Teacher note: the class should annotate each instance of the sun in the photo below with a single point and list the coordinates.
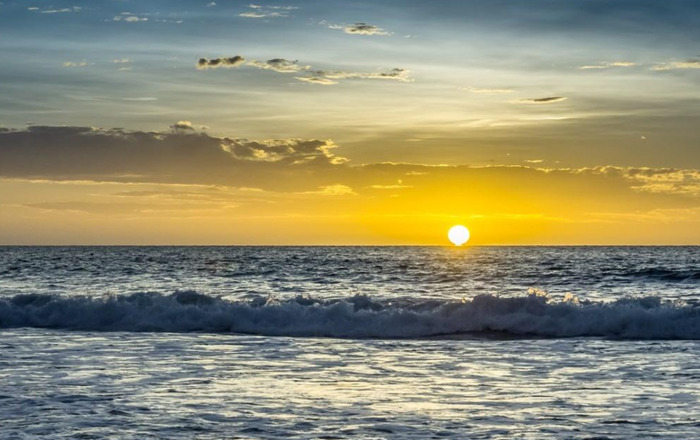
(458, 235)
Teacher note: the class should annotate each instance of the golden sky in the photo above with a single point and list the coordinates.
(383, 122)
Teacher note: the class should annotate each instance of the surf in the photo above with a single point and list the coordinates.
(535, 314)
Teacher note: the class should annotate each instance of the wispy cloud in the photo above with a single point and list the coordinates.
(260, 11)
(51, 10)
(125, 64)
(329, 77)
(488, 91)
(547, 100)
(128, 17)
(675, 65)
(662, 180)
(319, 76)
(316, 80)
(332, 190)
(360, 29)
(215, 63)
(82, 63)
(608, 65)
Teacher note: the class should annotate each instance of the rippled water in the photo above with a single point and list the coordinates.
(214, 343)
(382, 272)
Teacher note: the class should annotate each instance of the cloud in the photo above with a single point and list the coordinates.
(328, 77)
(279, 65)
(52, 10)
(165, 20)
(488, 91)
(75, 63)
(122, 61)
(333, 190)
(215, 63)
(608, 65)
(305, 182)
(317, 80)
(186, 156)
(141, 98)
(533, 161)
(662, 180)
(361, 29)
(685, 182)
(182, 126)
(128, 17)
(320, 77)
(547, 100)
(677, 65)
(260, 11)
(389, 187)
(182, 155)
(211, 4)
(293, 151)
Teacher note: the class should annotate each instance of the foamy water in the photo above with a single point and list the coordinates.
(302, 343)
(358, 317)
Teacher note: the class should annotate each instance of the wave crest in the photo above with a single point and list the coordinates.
(359, 316)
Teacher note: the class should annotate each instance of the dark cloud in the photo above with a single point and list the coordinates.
(547, 100)
(309, 166)
(361, 29)
(215, 63)
(279, 65)
(182, 155)
(322, 77)
(329, 77)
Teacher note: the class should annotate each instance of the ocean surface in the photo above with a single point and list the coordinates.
(349, 342)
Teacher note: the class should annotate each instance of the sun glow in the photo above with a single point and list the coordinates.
(458, 235)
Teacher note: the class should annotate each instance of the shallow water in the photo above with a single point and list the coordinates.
(78, 364)
(145, 385)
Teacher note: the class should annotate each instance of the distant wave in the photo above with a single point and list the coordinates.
(532, 315)
(664, 274)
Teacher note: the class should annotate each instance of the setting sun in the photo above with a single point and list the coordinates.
(458, 235)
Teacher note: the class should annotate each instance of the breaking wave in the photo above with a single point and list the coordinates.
(532, 315)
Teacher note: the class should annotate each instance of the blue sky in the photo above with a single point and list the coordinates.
(470, 65)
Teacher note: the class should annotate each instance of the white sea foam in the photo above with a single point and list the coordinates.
(357, 317)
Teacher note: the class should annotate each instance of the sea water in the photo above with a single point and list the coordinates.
(349, 342)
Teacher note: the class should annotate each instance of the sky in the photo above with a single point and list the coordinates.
(336, 122)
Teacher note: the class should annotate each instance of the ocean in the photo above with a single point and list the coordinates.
(349, 342)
